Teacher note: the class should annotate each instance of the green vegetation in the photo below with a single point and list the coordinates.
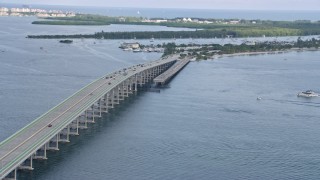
(85, 19)
(175, 34)
(208, 28)
(206, 51)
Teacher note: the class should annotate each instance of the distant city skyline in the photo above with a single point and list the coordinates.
(190, 4)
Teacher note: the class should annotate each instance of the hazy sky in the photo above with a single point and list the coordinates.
(203, 4)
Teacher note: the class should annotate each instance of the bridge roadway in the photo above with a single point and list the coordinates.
(44, 133)
(173, 70)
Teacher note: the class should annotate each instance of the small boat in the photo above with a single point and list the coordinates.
(137, 50)
(66, 41)
(308, 93)
(127, 49)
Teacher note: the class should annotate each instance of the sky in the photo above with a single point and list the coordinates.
(190, 4)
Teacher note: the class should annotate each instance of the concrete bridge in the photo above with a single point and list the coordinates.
(64, 120)
(172, 71)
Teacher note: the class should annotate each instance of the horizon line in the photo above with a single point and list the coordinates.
(198, 8)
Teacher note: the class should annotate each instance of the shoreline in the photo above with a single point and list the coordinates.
(258, 53)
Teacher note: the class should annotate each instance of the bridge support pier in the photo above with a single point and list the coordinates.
(74, 127)
(53, 144)
(105, 103)
(100, 107)
(41, 153)
(83, 121)
(27, 164)
(12, 175)
(111, 100)
(64, 135)
(136, 83)
(121, 92)
(90, 115)
(116, 99)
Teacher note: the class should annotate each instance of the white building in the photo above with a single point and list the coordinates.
(3, 9)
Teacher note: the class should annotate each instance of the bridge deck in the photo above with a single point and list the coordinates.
(21, 145)
(164, 77)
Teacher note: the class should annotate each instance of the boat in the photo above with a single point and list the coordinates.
(308, 93)
(137, 50)
(66, 41)
(127, 49)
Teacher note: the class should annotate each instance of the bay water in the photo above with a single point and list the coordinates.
(207, 124)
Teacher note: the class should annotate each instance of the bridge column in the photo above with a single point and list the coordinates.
(126, 87)
(129, 86)
(153, 72)
(150, 74)
(147, 76)
(116, 95)
(104, 103)
(41, 153)
(111, 100)
(90, 115)
(121, 91)
(83, 121)
(27, 164)
(142, 79)
(136, 82)
(53, 144)
(64, 135)
(74, 127)
(12, 175)
(97, 109)
(100, 107)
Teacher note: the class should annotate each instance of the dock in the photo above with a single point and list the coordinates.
(163, 78)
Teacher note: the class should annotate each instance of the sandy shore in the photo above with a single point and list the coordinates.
(264, 52)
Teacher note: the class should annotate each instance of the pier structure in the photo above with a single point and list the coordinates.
(171, 72)
(56, 126)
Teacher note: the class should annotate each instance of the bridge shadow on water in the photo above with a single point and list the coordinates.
(101, 125)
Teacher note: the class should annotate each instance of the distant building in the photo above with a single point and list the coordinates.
(122, 19)
(43, 15)
(155, 20)
(130, 45)
(195, 20)
(234, 22)
(250, 43)
(61, 15)
(3, 9)
(207, 22)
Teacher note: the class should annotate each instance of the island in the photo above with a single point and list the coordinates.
(211, 51)
(199, 27)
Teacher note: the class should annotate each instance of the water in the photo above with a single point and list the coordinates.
(279, 15)
(206, 125)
